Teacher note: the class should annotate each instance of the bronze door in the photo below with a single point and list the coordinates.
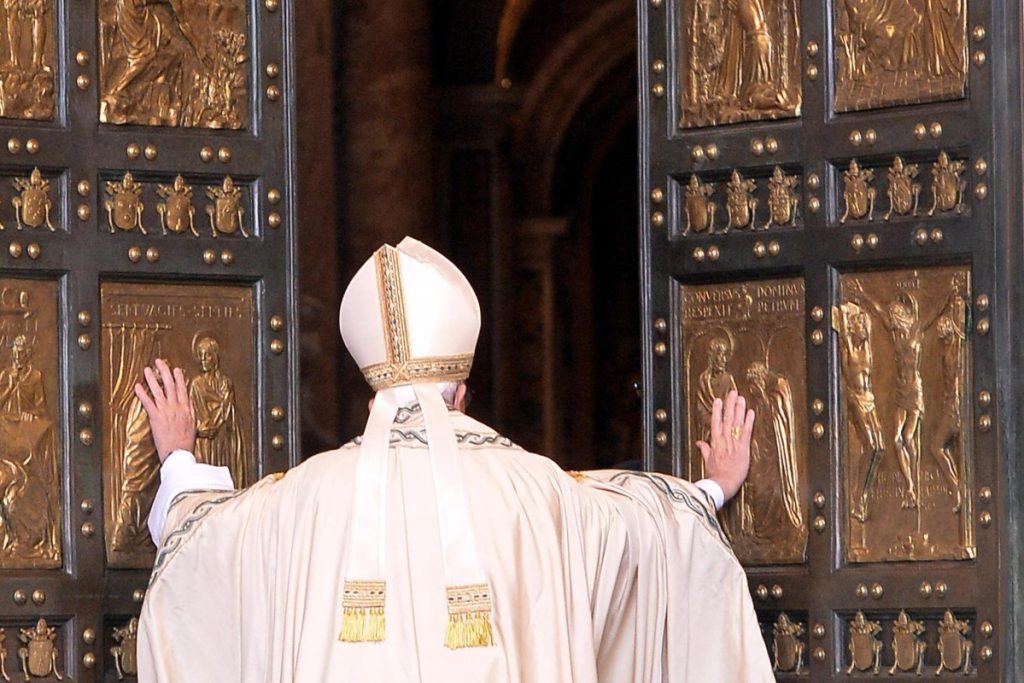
(824, 228)
(145, 211)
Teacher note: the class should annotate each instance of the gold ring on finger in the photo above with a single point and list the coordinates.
(736, 431)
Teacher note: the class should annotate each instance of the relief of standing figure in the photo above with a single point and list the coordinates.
(854, 328)
(221, 439)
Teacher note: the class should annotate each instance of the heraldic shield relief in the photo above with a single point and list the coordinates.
(749, 336)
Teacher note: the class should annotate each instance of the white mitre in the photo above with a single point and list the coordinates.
(410, 318)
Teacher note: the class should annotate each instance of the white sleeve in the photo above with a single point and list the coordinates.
(710, 487)
(179, 473)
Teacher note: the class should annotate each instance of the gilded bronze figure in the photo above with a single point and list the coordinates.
(857, 363)
(124, 653)
(783, 201)
(948, 185)
(787, 646)
(124, 208)
(955, 648)
(29, 481)
(33, 204)
(226, 213)
(39, 653)
(864, 645)
(740, 203)
(858, 194)
(947, 443)
(220, 439)
(3, 655)
(903, 192)
(907, 647)
(176, 211)
(774, 483)
(699, 209)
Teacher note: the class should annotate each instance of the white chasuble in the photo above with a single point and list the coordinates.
(608, 576)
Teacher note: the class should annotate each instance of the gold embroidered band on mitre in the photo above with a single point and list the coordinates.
(418, 371)
(469, 617)
(400, 368)
(362, 605)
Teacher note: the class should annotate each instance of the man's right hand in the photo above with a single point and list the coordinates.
(727, 457)
(169, 408)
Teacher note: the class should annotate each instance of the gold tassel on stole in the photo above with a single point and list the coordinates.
(362, 612)
(469, 617)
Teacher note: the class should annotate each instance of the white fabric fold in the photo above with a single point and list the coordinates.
(179, 473)
(369, 521)
(458, 543)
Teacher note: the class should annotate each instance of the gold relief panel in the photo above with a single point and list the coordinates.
(750, 336)
(895, 52)
(208, 331)
(739, 61)
(178, 63)
(907, 468)
(30, 458)
(27, 59)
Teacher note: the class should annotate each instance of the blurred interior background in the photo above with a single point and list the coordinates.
(502, 132)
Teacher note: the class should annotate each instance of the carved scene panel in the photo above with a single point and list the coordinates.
(30, 450)
(739, 60)
(179, 63)
(896, 52)
(750, 336)
(28, 59)
(205, 329)
(907, 464)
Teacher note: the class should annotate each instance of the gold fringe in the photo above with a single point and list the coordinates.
(362, 612)
(469, 617)
(469, 630)
(362, 625)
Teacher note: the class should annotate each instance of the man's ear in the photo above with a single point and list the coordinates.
(460, 397)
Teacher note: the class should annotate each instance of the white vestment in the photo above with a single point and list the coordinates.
(618, 577)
